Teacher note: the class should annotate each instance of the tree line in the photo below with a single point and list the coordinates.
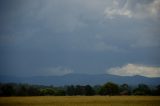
(109, 88)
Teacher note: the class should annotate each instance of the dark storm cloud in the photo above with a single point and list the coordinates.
(41, 37)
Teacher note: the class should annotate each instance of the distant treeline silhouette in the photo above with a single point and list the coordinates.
(109, 88)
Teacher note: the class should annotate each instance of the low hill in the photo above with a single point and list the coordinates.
(81, 79)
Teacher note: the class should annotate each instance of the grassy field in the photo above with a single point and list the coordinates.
(81, 101)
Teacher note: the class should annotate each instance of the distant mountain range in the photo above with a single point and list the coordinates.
(81, 79)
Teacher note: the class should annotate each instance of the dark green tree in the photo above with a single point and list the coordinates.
(89, 90)
(8, 90)
(79, 90)
(142, 89)
(23, 90)
(33, 91)
(47, 91)
(109, 89)
(158, 90)
(60, 92)
(125, 89)
(97, 89)
(70, 90)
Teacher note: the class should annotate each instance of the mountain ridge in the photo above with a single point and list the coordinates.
(81, 79)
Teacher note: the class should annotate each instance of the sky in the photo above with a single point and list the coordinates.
(59, 37)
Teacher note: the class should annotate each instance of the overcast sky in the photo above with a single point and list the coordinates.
(58, 37)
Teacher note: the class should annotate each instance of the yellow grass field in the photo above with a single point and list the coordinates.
(81, 101)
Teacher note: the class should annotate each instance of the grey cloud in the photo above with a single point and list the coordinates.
(58, 71)
(7, 39)
(149, 38)
(138, 9)
(67, 15)
(45, 34)
(46, 23)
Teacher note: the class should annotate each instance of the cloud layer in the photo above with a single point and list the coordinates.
(133, 69)
(78, 22)
(83, 35)
(139, 9)
(58, 71)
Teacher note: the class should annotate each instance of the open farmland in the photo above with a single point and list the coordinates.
(81, 101)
